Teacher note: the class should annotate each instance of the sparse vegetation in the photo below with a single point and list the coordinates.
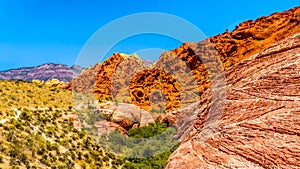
(42, 135)
(36, 132)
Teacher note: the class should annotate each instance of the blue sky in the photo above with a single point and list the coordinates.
(34, 32)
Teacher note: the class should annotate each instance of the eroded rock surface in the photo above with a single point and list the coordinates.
(260, 126)
(149, 82)
(181, 74)
(125, 115)
(188, 67)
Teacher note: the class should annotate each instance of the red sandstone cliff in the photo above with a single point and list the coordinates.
(248, 38)
(259, 127)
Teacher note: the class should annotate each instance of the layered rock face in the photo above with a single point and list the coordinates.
(109, 79)
(156, 83)
(100, 72)
(123, 75)
(259, 125)
(252, 37)
(43, 72)
(188, 64)
(186, 69)
(84, 83)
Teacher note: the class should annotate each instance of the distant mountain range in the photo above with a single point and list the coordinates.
(42, 72)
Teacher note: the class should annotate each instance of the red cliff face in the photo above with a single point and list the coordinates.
(248, 38)
(252, 37)
(110, 79)
(162, 86)
(260, 123)
(183, 65)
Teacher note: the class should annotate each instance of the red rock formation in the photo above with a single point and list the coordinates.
(147, 81)
(123, 75)
(252, 37)
(183, 65)
(124, 115)
(107, 80)
(104, 75)
(181, 75)
(107, 127)
(259, 127)
(84, 83)
(248, 38)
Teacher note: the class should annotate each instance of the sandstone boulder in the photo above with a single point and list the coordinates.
(128, 114)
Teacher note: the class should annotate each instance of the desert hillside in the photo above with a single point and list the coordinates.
(38, 130)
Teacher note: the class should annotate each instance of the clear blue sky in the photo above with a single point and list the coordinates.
(34, 32)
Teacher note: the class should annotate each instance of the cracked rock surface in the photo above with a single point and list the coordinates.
(260, 124)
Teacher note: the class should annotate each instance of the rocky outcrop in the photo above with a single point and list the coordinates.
(104, 75)
(43, 72)
(127, 115)
(109, 79)
(107, 127)
(251, 37)
(50, 83)
(84, 83)
(123, 75)
(124, 115)
(181, 75)
(156, 83)
(54, 83)
(189, 69)
(259, 127)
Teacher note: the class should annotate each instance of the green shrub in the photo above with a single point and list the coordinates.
(160, 134)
